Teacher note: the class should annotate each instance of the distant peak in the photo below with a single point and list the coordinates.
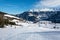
(43, 9)
(46, 9)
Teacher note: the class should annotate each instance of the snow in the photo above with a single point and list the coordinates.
(7, 15)
(29, 32)
(34, 10)
(43, 9)
(46, 9)
(31, 10)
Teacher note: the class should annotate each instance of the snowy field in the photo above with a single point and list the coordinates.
(29, 33)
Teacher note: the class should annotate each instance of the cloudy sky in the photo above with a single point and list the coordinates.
(19, 6)
(48, 4)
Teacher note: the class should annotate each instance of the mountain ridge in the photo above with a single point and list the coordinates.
(43, 15)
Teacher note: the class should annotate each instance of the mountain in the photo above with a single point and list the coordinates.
(43, 9)
(55, 17)
(8, 19)
(40, 15)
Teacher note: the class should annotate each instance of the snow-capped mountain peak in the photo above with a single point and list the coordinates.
(46, 9)
(43, 9)
(34, 10)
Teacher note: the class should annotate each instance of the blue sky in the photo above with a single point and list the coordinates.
(19, 6)
(16, 6)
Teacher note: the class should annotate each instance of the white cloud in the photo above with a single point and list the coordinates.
(48, 3)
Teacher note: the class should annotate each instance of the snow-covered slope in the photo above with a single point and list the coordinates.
(29, 33)
(11, 16)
